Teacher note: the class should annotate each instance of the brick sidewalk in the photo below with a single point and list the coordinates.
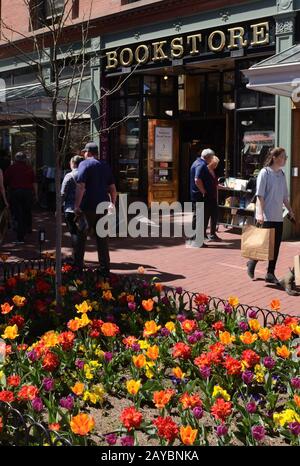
(217, 271)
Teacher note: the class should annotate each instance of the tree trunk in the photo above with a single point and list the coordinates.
(58, 215)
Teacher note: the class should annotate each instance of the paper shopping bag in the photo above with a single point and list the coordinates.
(258, 243)
(297, 270)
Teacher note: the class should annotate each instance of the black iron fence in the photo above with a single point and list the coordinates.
(11, 269)
(23, 430)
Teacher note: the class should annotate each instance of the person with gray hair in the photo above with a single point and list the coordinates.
(201, 185)
(68, 191)
(21, 182)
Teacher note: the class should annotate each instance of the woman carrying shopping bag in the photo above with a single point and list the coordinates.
(272, 193)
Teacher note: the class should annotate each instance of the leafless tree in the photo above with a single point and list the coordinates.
(46, 46)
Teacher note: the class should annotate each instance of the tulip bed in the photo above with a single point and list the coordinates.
(128, 364)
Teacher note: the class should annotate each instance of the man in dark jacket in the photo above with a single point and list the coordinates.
(21, 182)
(95, 184)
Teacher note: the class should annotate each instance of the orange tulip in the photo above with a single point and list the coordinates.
(248, 338)
(159, 287)
(148, 304)
(188, 435)
(283, 352)
(82, 424)
(19, 301)
(297, 400)
(282, 332)
(162, 398)
(109, 329)
(6, 308)
(264, 334)
(153, 352)
(151, 328)
(73, 325)
(55, 426)
(233, 301)
(177, 372)
(226, 338)
(275, 304)
(78, 388)
(139, 361)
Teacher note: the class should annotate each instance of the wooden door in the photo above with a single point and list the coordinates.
(163, 157)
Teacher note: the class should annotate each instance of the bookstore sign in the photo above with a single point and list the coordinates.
(192, 45)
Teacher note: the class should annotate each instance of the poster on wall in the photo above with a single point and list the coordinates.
(163, 144)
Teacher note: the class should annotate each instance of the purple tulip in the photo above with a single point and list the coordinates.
(222, 430)
(205, 372)
(132, 306)
(295, 381)
(192, 339)
(108, 356)
(127, 441)
(251, 407)
(202, 308)
(228, 308)
(199, 335)
(110, 318)
(79, 364)
(32, 355)
(247, 377)
(37, 404)
(181, 317)
(135, 347)
(48, 384)
(198, 412)
(269, 362)
(295, 428)
(165, 332)
(244, 326)
(67, 402)
(165, 300)
(258, 433)
(252, 314)
(111, 439)
(179, 290)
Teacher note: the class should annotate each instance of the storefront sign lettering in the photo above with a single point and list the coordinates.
(178, 47)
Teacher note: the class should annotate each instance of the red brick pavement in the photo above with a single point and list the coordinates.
(218, 270)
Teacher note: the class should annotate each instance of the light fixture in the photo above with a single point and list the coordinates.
(247, 122)
(169, 113)
(166, 77)
(229, 105)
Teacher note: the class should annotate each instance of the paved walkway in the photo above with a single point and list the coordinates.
(218, 270)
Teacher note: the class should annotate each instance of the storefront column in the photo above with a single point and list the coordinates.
(285, 29)
(95, 91)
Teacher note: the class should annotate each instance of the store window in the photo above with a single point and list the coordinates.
(257, 137)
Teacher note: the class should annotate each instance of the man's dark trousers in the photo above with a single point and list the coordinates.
(102, 243)
(21, 203)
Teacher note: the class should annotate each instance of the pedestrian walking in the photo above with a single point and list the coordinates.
(201, 186)
(68, 191)
(21, 182)
(213, 211)
(95, 184)
(271, 193)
